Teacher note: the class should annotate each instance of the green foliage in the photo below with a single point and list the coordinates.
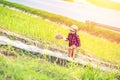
(25, 67)
(89, 27)
(44, 32)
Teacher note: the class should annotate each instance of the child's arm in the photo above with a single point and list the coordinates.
(78, 41)
(65, 39)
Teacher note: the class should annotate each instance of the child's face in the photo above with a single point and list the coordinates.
(72, 31)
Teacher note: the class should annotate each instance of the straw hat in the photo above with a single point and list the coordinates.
(74, 28)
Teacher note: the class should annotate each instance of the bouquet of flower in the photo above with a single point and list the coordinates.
(59, 36)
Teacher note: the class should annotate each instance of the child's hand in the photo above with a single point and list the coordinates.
(64, 39)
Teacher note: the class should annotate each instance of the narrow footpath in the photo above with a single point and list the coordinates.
(80, 58)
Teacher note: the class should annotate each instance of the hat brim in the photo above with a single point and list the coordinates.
(73, 29)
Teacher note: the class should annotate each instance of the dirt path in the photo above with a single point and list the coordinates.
(36, 47)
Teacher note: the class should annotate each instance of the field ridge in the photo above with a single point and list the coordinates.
(83, 58)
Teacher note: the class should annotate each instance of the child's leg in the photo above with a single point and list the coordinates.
(72, 53)
(69, 51)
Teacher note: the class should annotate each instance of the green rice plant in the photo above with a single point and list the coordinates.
(44, 32)
(88, 26)
(25, 67)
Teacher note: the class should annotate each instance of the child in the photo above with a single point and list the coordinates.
(74, 40)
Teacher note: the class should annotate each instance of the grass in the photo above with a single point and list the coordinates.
(106, 4)
(89, 27)
(24, 67)
(44, 32)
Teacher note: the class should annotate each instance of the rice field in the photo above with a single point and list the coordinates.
(88, 26)
(110, 4)
(44, 31)
(28, 67)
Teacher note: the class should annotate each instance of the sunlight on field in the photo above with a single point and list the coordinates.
(45, 32)
(69, 0)
(111, 4)
(26, 66)
(116, 1)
